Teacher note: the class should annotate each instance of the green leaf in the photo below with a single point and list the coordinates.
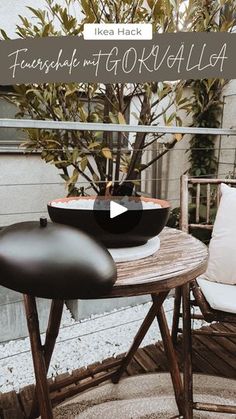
(58, 112)
(178, 96)
(49, 157)
(73, 179)
(136, 182)
(151, 3)
(157, 10)
(47, 29)
(94, 144)
(83, 163)
(40, 14)
(25, 21)
(178, 137)
(113, 118)
(88, 10)
(95, 177)
(71, 92)
(121, 118)
(4, 35)
(107, 153)
(61, 163)
(75, 155)
(64, 177)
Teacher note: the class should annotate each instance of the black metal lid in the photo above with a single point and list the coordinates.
(54, 261)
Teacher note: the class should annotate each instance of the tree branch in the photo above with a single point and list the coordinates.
(86, 177)
(168, 148)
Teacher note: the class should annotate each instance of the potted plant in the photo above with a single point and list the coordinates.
(111, 164)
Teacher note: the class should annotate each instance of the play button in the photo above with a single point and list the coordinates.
(117, 216)
(116, 209)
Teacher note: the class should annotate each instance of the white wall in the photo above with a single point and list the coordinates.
(16, 170)
(27, 183)
(227, 145)
(175, 163)
(11, 9)
(24, 188)
(171, 166)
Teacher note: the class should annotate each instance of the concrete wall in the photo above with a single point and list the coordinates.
(26, 185)
(12, 315)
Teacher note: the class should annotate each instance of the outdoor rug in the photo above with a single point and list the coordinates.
(148, 396)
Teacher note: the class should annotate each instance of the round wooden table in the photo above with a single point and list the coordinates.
(180, 259)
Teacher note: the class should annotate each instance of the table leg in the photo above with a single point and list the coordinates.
(176, 315)
(171, 357)
(38, 358)
(140, 335)
(54, 322)
(187, 353)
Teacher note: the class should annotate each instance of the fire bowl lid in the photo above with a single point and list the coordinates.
(54, 261)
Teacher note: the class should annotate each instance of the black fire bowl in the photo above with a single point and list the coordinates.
(132, 228)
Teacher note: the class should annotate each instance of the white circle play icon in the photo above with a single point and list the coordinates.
(116, 209)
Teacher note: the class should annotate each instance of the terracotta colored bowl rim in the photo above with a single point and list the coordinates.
(162, 202)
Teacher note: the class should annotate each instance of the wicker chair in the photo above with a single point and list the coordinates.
(211, 194)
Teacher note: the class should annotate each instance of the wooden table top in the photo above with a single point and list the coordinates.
(180, 259)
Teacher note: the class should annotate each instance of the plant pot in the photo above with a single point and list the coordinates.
(132, 228)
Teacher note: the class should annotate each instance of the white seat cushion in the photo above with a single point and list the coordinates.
(222, 249)
(219, 296)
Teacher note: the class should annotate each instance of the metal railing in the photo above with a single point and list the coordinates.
(91, 126)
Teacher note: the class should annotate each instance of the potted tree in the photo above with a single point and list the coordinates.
(111, 164)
